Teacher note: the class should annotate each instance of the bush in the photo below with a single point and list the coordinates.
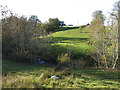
(21, 39)
(63, 60)
(52, 25)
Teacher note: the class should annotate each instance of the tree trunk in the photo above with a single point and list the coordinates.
(119, 32)
(104, 52)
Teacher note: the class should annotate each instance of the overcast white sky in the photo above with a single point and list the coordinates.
(70, 11)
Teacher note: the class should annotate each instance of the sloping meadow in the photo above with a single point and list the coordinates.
(74, 42)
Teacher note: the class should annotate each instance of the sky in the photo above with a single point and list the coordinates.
(76, 12)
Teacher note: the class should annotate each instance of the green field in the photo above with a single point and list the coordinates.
(73, 40)
(16, 75)
(38, 76)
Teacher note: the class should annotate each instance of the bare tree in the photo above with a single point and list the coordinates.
(98, 37)
(105, 40)
(116, 18)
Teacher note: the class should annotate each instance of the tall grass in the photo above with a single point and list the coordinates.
(40, 77)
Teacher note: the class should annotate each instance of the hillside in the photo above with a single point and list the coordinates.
(72, 39)
(19, 75)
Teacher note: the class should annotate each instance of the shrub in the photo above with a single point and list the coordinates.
(21, 39)
(63, 60)
(52, 25)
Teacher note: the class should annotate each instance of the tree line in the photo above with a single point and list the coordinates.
(104, 38)
(25, 40)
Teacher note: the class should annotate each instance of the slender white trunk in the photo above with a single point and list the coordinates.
(104, 52)
(119, 31)
(115, 61)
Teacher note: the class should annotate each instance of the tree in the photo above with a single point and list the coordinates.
(98, 17)
(106, 41)
(53, 24)
(119, 32)
(23, 41)
(20, 38)
(115, 28)
(116, 15)
(98, 33)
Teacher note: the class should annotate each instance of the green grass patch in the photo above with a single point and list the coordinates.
(34, 76)
(12, 66)
(72, 39)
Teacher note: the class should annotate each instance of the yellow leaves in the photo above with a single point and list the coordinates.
(63, 58)
(94, 41)
(102, 58)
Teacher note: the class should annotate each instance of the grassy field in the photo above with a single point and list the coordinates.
(17, 75)
(73, 40)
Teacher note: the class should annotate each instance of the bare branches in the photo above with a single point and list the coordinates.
(106, 40)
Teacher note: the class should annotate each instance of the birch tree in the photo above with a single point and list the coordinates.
(98, 37)
(115, 28)
(116, 14)
(112, 42)
(105, 40)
